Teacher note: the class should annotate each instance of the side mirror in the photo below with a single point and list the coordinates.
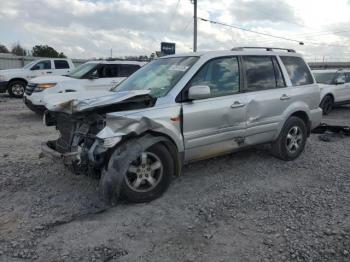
(198, 92)
(36, 67)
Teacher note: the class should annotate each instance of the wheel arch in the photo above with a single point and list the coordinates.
(301, 111)
(16, 79)
(171, 146)
(328, 94)
(303, 116)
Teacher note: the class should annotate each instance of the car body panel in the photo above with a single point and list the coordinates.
(26, 74)
(207, 127)
(340, 92)
(69, 84)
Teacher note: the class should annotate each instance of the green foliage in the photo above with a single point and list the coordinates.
(17, 49)
(3, 49)
(46, 51)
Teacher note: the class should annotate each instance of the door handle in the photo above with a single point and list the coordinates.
(284, 97)
(49, 72)
(237, 104)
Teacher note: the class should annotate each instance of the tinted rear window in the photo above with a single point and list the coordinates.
(262, 72)
(297, 70)
(127, 70)
(61, 64)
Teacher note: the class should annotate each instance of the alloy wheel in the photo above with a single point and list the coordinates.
(145, 173)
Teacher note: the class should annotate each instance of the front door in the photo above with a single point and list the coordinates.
(215, 125)
(43, 67)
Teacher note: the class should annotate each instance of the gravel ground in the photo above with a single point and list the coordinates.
(246, 206)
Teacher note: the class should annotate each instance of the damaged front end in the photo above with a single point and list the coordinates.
(85, 140)
(77, 143)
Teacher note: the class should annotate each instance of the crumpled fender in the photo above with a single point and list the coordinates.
(112, 177)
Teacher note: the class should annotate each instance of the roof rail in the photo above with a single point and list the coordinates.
(241, 48)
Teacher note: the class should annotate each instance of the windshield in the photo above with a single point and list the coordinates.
(27, 66)
(325, 78)
(82, 70)
(159, 76)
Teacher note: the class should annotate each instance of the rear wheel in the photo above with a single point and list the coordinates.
(327, 104)
(149, 175)
(291, 141)
(16, 88)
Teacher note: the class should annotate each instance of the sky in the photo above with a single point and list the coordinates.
(87, 29)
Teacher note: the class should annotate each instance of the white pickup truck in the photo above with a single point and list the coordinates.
(92, 76)
(14, 81)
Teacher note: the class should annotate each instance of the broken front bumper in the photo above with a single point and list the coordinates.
(67, 158)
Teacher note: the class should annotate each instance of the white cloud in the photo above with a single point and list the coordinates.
(91, 28)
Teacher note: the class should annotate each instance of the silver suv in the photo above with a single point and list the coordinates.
(184, 108)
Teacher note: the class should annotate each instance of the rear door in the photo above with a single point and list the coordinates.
(347, 86)
(216, 124)
(267, 97)
(341, 90)
(61, 67)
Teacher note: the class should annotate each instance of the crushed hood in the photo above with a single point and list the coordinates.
(106, 101)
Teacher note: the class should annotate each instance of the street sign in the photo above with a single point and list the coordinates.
(167, 48)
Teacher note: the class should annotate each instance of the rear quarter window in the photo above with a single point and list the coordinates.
(61, 64)
(126, 70)
(298, 71)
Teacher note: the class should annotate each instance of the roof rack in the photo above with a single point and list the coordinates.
(241, 48)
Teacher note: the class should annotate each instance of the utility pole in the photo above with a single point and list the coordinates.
(194, 25)
(111, 52)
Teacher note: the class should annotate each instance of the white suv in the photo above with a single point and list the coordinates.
(182, 108)
(335, 87)
(91, 76)
(14, 81)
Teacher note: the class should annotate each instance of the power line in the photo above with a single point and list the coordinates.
(265, 34)
(172, 16)
(251, 31)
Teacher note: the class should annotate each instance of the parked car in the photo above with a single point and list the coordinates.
(335, 88)
(183, 108)
(14, 81)
(93, 75)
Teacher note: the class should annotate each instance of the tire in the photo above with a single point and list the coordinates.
(291, 141)
(16, 88)
(140, 174)
(327, 104)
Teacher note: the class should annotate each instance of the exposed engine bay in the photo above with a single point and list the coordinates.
(77, 138)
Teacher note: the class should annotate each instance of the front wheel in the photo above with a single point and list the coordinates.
(16, 88)
(291, 141)
(149, 175)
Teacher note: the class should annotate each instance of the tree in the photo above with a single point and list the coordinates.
(3, 49)
(46, 51)
(17, 49)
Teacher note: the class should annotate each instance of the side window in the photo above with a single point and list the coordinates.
(42, 65)
(347, 77)
(221, 75)
(341, 77)
(262, 73)
(278, 73)
(108, 71)
(297, 70)
(114, 70)
(61, 64)
(127, 70)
